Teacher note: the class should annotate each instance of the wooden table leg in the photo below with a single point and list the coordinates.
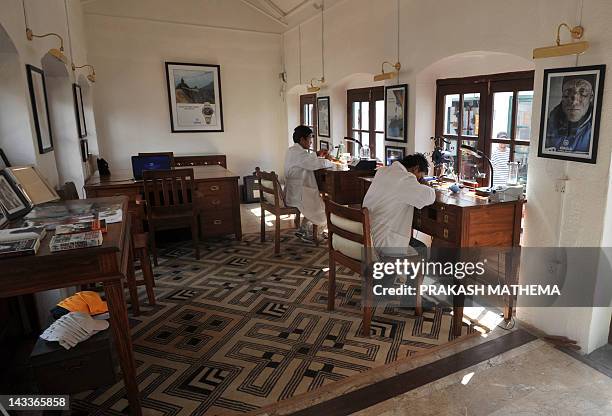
(123, 342)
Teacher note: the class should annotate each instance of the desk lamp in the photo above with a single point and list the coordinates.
(479, 155)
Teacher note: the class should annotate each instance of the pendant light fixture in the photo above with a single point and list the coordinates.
(314, 88)
(54, 52)
(92, 74)
(390, 75)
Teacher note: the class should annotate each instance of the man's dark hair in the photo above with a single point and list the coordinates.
(417, 159)
(301, 131)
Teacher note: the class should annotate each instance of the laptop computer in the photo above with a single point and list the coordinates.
(141, 163)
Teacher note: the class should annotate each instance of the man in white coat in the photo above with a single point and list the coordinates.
(391, 199)
(301, 189)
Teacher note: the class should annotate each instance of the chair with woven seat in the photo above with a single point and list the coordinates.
(169, 196)
(272, 199)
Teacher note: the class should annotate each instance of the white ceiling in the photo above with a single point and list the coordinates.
(274, 16)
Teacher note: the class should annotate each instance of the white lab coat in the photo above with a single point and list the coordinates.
(301, 185)
(390, 200)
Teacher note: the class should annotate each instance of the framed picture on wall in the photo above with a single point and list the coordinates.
(12, 199)
(79, 111)
(40, 108)
(4, 162)
(571, 109)
(396, 112)
(323, 145)
(3, 217)
(84, 150)
(393, 153)
(323, 116)
(194, 97)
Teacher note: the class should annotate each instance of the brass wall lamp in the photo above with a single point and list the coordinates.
(562, 49)
(314, 88)
(56, 53)
(388, 75)
(91, 76)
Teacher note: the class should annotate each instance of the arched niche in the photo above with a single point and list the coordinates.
(16, 134)
(66, 142)
(455, 66)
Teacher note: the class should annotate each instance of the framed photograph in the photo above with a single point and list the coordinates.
(3, 217)
(323, 116)
(40, 108)
(194, 97)
(84, 150)
(396, 113)
(571, 109)
(393, 153)
(323, 145)
(4, 162)
(79, 111)
(12, 199)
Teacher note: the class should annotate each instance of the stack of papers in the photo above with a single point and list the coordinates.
(73, 328)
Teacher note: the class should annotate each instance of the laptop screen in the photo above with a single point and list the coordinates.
(140, 163)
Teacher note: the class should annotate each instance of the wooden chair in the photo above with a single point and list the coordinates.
(169, 154)
(169, 195)
(272, 199)
(350, 245)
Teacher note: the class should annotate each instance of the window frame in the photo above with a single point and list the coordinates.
(371, 95)
(306, 99)
(487, 86)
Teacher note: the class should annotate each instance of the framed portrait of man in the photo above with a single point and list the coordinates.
(571, 109)
(194, 96)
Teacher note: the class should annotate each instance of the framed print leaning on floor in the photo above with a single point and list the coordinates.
(194, 97)
(571, 109)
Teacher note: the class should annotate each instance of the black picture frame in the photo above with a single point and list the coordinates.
(388, 159)
(79, 110)
(555, 140)
(12, 199)
(323, 117)
(396, 113)
(4, 162)
(204, 116)
(84, 150)
(40, 108)
(323, 145)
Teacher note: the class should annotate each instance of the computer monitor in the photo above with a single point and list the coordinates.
(140, 163)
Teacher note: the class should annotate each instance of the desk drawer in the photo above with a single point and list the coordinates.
(131, 192)
(215, 202)
(446, 233)
(217, 223)
(216, 188)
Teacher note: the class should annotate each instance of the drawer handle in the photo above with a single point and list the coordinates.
(215, 202)
(446, 218)
(445, 233)
(214, 188)
(206, 163)
(217, 222)
(191, 164)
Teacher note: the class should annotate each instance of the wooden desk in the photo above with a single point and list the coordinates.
(216, 196)
(342, 185)
(467, 220)
(107, 263)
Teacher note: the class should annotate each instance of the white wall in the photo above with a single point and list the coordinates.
(363, 33)
(132, 100)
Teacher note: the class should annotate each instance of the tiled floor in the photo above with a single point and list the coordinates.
(535, 379)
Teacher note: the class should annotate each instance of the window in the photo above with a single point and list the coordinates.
(365, 120)
(490, 113)
(308, 115)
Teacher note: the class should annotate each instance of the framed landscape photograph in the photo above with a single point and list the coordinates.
(14, 202)
(40, 108)
(396, 112)
(571, 110)
(323, 116)
(194, 97)
(393, 153)
(323, 145)
(79, 111)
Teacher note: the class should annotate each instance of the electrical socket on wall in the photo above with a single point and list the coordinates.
(560, 185)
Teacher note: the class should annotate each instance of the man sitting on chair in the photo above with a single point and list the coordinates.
(391, 199)
(301, 185)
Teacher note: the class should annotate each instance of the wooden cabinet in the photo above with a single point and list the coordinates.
(200, 160)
